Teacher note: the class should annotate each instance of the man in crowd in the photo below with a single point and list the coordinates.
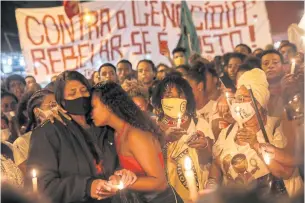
(179, 56)
(16, 84)
(272, 64)
(243, 48)
(108, 72)
(124, 69)
(146, 73)
(30, 80)
(289, 52)
(162, 70)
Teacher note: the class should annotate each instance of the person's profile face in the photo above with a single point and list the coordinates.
(98, 109)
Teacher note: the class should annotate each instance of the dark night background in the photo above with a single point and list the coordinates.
(281, 15)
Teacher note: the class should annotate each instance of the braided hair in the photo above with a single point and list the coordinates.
(35, 102)
(174, 80)
(113, 96)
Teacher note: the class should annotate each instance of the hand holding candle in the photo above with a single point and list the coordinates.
(190, 178)
(34, 181)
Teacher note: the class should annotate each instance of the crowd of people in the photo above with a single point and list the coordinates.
(124, 134)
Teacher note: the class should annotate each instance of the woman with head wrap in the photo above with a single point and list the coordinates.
(245, 137)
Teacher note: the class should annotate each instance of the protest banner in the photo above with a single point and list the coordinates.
(107, 31)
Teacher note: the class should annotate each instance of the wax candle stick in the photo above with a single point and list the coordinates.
(292, 66)
(190, 178)
(227, 98)
(179, 121)
(34, 181)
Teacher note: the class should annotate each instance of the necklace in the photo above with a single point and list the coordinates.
(173, 122)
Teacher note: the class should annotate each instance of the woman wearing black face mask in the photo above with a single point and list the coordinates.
(73, 159)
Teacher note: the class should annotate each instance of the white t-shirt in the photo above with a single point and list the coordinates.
(205, 117)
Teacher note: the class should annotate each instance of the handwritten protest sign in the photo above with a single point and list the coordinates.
(107, 31)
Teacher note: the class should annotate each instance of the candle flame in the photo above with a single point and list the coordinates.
(293, 60)
(179, 116)
(121, 185)
(34, 173)
(187, 163)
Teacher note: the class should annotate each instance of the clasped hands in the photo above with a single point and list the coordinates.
(102, 189)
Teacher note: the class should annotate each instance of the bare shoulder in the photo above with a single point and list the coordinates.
(136, 135)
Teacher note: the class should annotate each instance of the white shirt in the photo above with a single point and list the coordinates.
(205, 117)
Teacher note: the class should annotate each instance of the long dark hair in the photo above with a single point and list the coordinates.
(35, 102)
(60, 84)
(174, 80)
(22, 106)
(113, 96)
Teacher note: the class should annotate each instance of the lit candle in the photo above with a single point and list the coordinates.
(179, 121)
(121, 185)
(227, 97)
(292, 66)
(34, 181)
(190, 178)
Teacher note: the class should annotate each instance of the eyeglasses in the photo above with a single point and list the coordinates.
(239, 99)
(50, 105)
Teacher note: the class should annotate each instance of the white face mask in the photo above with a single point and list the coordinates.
(43, 114)
(9, 115)
(173, 107)
(242, 112)
(5, 134)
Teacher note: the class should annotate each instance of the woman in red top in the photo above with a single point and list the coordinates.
(137, 141)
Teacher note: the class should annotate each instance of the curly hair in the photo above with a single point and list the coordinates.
(174, 80)
(113, 96)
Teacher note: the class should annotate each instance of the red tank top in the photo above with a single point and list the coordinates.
(129, 162)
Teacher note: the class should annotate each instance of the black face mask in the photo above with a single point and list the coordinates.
(79, 106)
